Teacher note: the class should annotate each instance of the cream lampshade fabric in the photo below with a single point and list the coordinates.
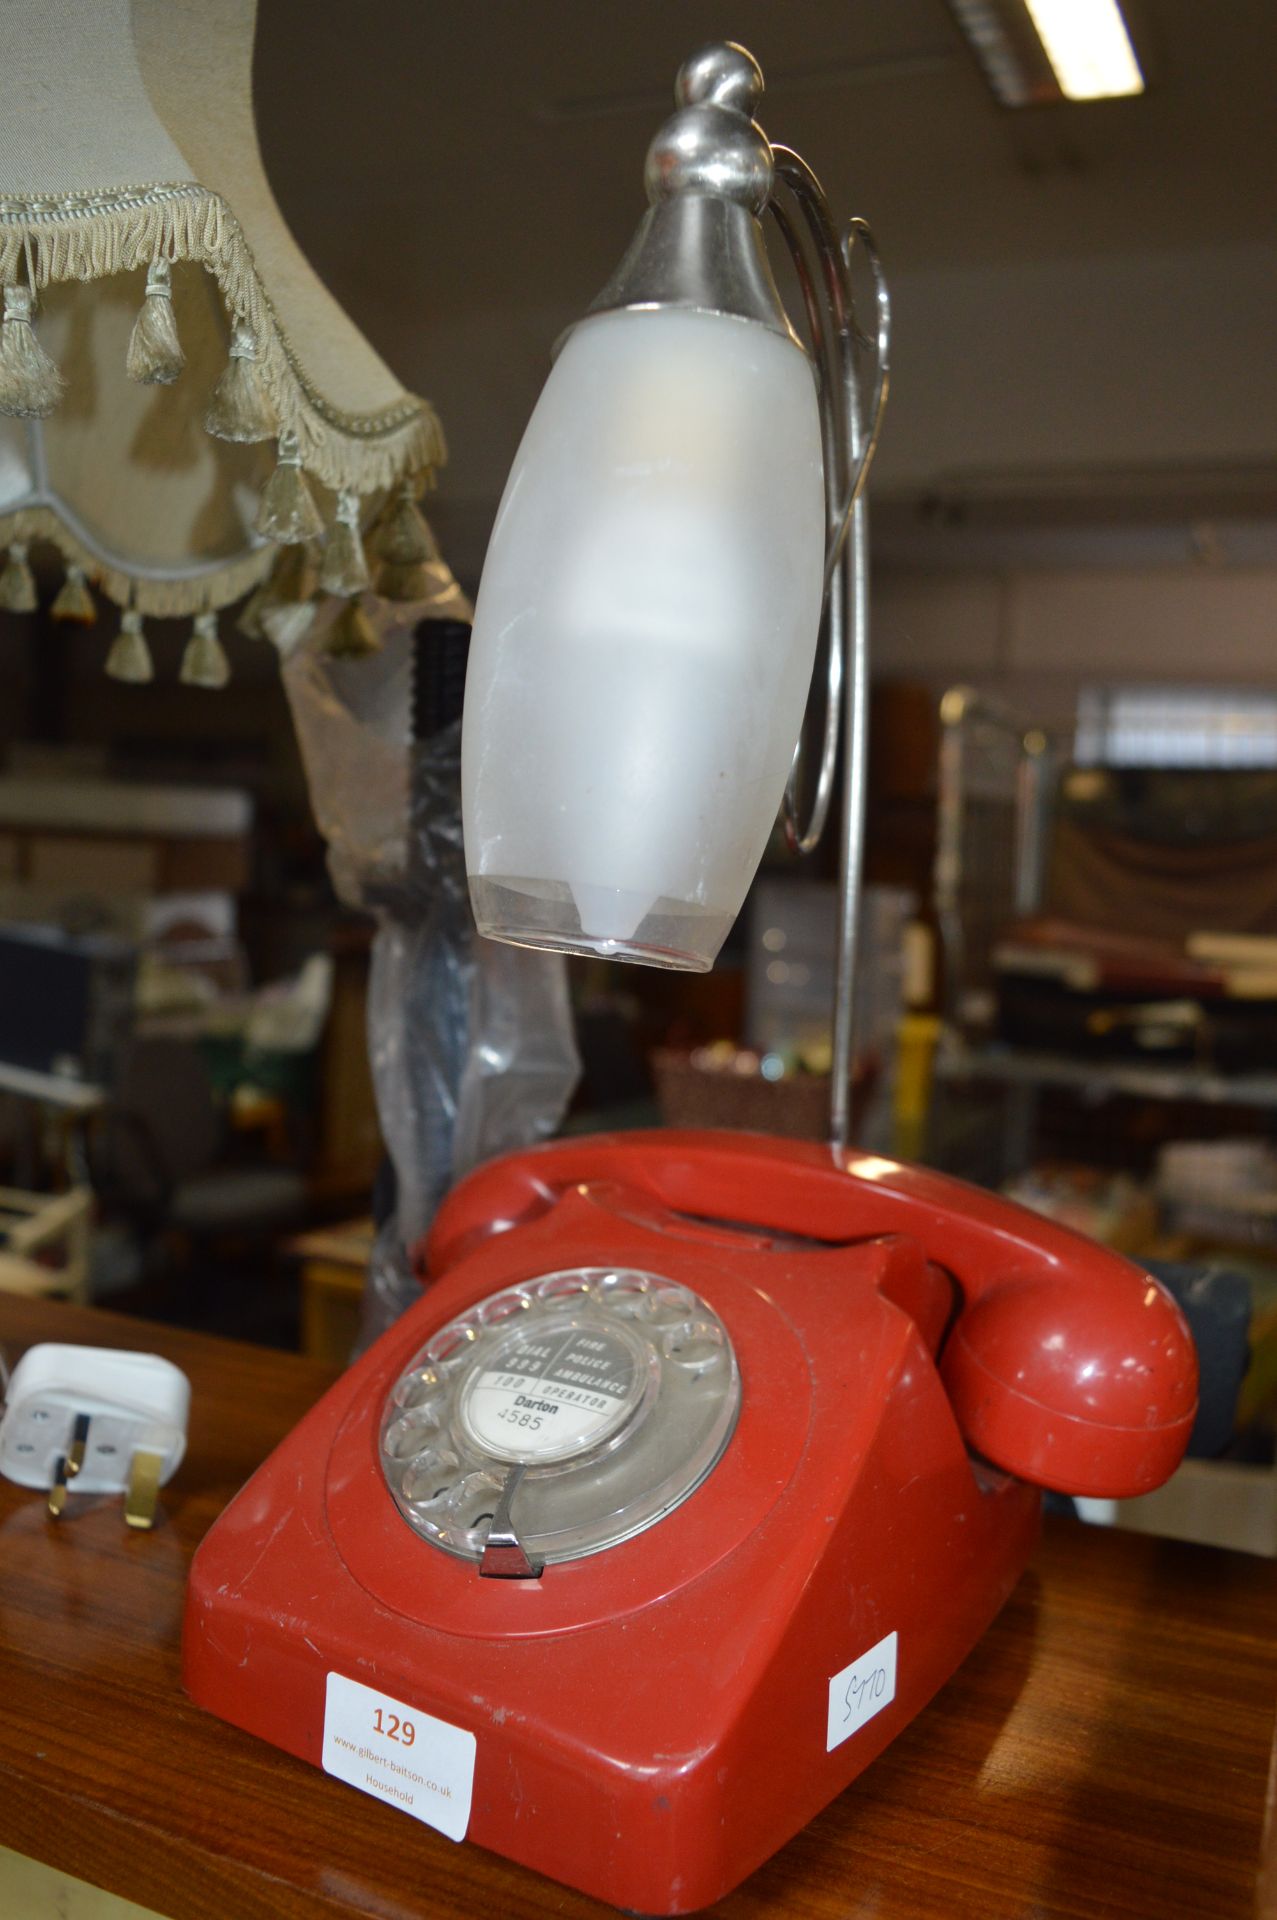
(179, 393)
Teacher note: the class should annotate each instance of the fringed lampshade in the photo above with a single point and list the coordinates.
(180, 396)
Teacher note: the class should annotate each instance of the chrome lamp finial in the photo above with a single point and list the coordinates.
(709, 176)
(686, 503)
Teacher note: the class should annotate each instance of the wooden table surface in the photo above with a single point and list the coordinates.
(1103, 1752)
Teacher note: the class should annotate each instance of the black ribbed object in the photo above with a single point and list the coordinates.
(439, 675)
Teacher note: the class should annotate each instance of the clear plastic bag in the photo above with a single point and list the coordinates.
(471, 1043)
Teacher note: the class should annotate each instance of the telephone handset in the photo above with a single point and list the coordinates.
(702, 1462)
(1066, 1365)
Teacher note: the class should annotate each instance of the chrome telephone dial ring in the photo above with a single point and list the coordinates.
(609, 1392)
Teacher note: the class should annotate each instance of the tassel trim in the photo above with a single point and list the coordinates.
(282, 610)
(17, 582)
(288, 512)
(403, 538)
(75, 602)
(345, 568)
(295, 574)
(204, 663)
(130, 657)
(352, 635)
(30, 384)
(410, 566)
(155, 356)
(406, 549)
(240, 408)
(248, 620)
(286, 623)
(91, 236)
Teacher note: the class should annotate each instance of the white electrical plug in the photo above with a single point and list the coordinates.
(93, 1420)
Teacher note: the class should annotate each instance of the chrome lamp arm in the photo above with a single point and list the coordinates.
(849, 439)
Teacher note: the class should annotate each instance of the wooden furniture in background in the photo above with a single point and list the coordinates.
(1103, 1752)
(334, 1261)
(108, 837)
(348, 1148)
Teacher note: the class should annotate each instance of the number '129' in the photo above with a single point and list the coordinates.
(394, 1728)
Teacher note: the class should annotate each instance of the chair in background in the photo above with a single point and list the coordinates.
(160, 1157)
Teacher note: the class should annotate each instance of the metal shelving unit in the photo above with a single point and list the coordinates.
(959, 1061)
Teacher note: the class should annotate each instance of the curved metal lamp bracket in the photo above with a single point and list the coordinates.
(849, 437)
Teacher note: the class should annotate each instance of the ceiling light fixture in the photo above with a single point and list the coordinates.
(1089, 48)
(1048, 50)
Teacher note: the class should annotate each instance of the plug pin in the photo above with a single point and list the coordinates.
(144, 1488)
(79, 1441)
(58, 1491)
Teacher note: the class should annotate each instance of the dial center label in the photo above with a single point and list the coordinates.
(552, 1393)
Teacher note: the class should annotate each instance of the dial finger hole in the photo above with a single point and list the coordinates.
(451, 1348)
(417, 1388)
(694, 1345)
(628, 1304)
(505, 1306)
(620, 1291)
(410, 1434)
(430, 1477)
(473, 1501)
(669, 1306)
(563, 1286)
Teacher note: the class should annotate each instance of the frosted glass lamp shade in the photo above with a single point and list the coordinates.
(644, 637)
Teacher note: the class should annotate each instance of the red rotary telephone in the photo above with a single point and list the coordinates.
(701, 1464)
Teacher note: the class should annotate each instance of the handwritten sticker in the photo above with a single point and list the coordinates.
(399, 1754)
(860, 1691)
